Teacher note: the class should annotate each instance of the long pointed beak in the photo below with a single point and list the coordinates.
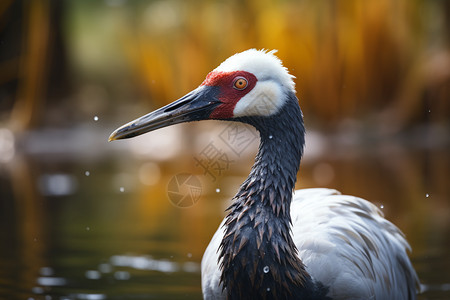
(196, 105)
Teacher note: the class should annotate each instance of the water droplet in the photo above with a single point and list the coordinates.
(87, 173)
(217, 190)
(270, 137)
(122, 189)
(429, 110)
(266, 269)
(95, 118)
(427, 195)
(381, 206)
(268, 289)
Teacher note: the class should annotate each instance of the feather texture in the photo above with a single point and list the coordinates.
(339, 240)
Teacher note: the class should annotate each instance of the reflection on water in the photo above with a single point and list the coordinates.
(97, 223)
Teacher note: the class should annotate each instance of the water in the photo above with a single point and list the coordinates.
(93, 226)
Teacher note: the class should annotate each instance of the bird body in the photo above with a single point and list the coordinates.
(316, 245)
(339, 240)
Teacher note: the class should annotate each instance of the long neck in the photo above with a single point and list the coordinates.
(258, 256)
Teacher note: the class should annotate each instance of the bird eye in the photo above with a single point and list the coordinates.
(240, 83)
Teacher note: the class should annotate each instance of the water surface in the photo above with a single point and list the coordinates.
(99, 223)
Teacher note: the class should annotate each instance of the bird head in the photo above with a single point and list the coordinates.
(249, 84)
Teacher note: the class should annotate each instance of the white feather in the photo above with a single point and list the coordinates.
(210, 267)
(265, 99)
(344, 242)
(264, 65)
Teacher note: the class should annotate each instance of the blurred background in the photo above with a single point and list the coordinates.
(82, 218)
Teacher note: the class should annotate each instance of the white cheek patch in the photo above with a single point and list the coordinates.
(264, 99)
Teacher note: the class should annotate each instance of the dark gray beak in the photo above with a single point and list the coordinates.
(196, 105)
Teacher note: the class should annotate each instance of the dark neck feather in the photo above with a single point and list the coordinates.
(258, 256)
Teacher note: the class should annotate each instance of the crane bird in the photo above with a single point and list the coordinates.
(277, 243)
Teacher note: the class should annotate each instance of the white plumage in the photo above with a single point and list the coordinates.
(340, 242)
(262, 63)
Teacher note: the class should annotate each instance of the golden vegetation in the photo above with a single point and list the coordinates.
(350, 58)
(387, 60)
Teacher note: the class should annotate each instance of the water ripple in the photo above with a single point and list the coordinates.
(149, 263)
